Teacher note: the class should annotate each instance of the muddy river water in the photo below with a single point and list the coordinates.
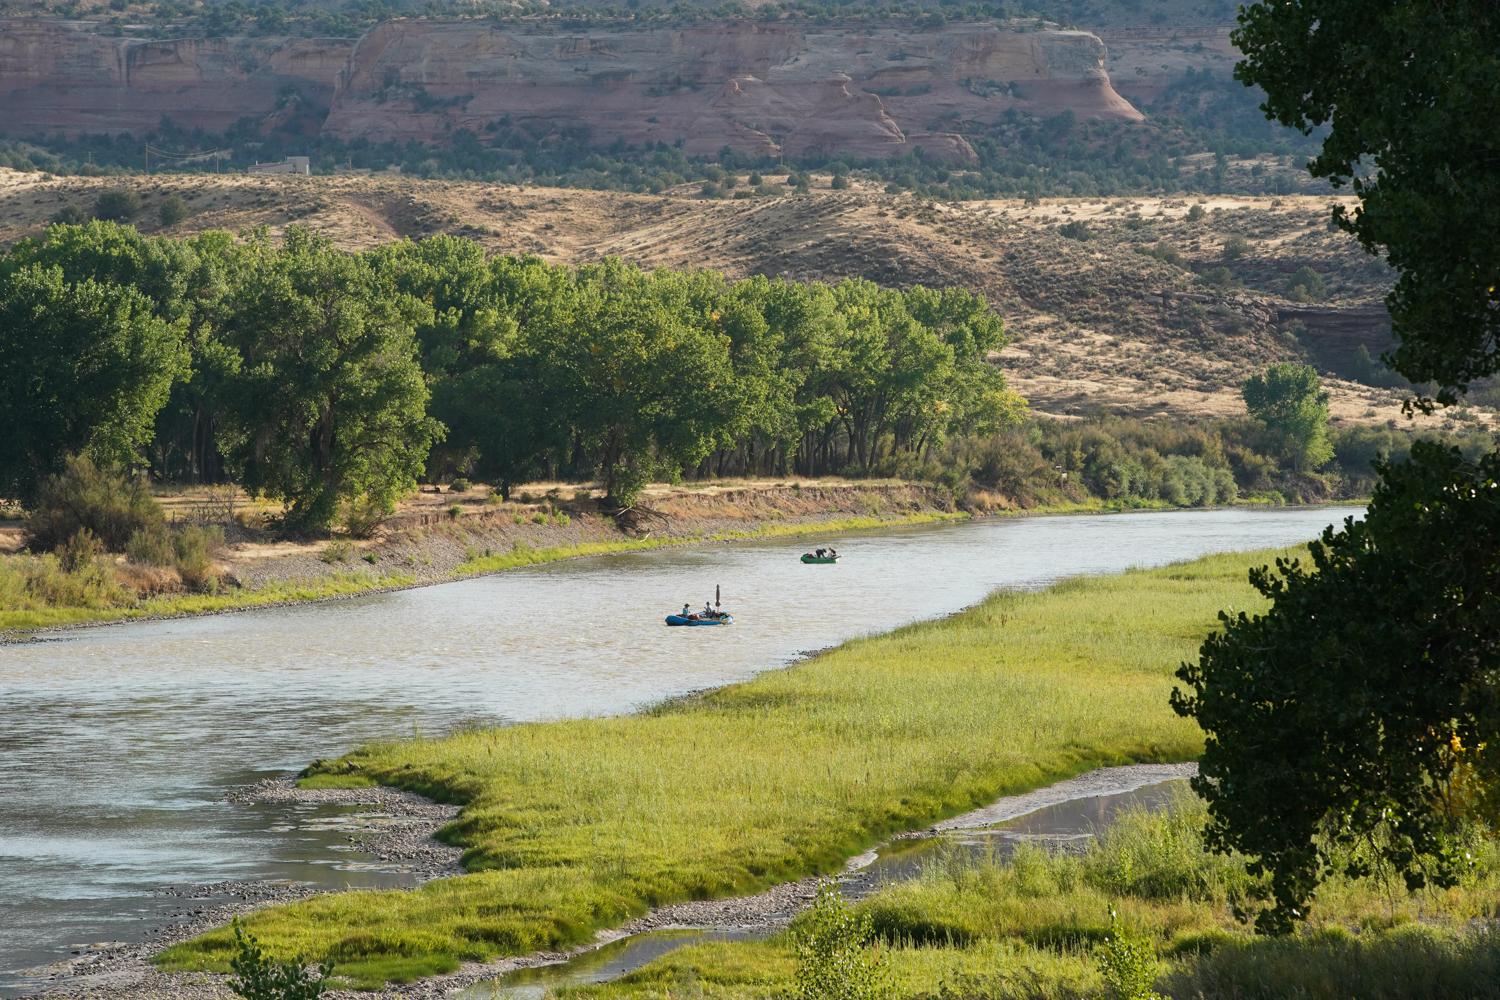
(119, 743)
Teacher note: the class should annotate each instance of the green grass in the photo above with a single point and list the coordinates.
(1032, 928)
(18, 617)
(573, 826)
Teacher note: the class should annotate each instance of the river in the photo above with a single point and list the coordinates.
(120, 742)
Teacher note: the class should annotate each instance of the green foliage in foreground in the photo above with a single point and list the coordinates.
(1377, 671)
(1397, 84)
(257, 976)
(573, 826)
(1146, 908)
(834, 957)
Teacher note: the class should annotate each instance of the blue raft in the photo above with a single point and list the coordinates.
(725, 619)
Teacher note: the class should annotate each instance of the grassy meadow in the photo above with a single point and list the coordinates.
(573, 826)
(1034, 928)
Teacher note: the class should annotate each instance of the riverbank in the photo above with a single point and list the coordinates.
(443, 537)
(1055, 924)
(573, 827)
(403, 827)
(438, 538)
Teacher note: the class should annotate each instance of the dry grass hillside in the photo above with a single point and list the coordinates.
(1140, 305)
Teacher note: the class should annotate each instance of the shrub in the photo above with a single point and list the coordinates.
(1218, 277)
(1235, 247)
(110, 504)
(1128, 963)
(117, 205)
(455, 512)
(363, 516)
(173, 210)
(338, 550)
(1075, 230)
(1196, 213)
(150, 547)
(257, 976)
(1165, 253)
(834, 958)
(1306, 285)
(80, 551)
(459, 485)
(70, 215)
(195, 548)
(30, 582)
(839, 182)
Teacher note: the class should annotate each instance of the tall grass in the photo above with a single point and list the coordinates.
(573, 826)
(67, 604)
(1036, 926)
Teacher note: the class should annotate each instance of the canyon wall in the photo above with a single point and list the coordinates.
(61, 77)
(755, 87)
(764, 88)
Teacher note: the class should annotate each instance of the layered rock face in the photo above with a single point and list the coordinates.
(759, 88)
(60, 77)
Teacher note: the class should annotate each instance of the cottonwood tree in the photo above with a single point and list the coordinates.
(185, 282)
(327, 399)
(1290, 403)
(1365, 704)
(647, 388)
(1363, 709)
(1406, 91)
(84, 368)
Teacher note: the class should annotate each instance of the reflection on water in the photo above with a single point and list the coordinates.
(1067, 824)
(601, 965)
(119, 742)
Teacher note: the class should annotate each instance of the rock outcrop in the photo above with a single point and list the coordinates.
(766, 88)
(60, 77)
(757, 88)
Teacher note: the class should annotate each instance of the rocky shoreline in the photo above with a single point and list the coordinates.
(398, 829)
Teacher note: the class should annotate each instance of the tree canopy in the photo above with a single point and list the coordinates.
(1289, 401)
(331, 380)
(1363, 706)
(84, 368)
(1406, 92)
(1364, 709)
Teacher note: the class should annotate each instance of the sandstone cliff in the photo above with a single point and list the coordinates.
(757, 88)
(774, 89)
(61, 77)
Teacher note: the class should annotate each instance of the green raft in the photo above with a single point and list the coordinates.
(809, 558)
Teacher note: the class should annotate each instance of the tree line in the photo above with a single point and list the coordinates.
(332, 380)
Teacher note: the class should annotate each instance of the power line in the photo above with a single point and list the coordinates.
(175, 158)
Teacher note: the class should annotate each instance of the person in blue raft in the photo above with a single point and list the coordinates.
(708, 616)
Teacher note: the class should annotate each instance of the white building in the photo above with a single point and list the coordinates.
(291, 165)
